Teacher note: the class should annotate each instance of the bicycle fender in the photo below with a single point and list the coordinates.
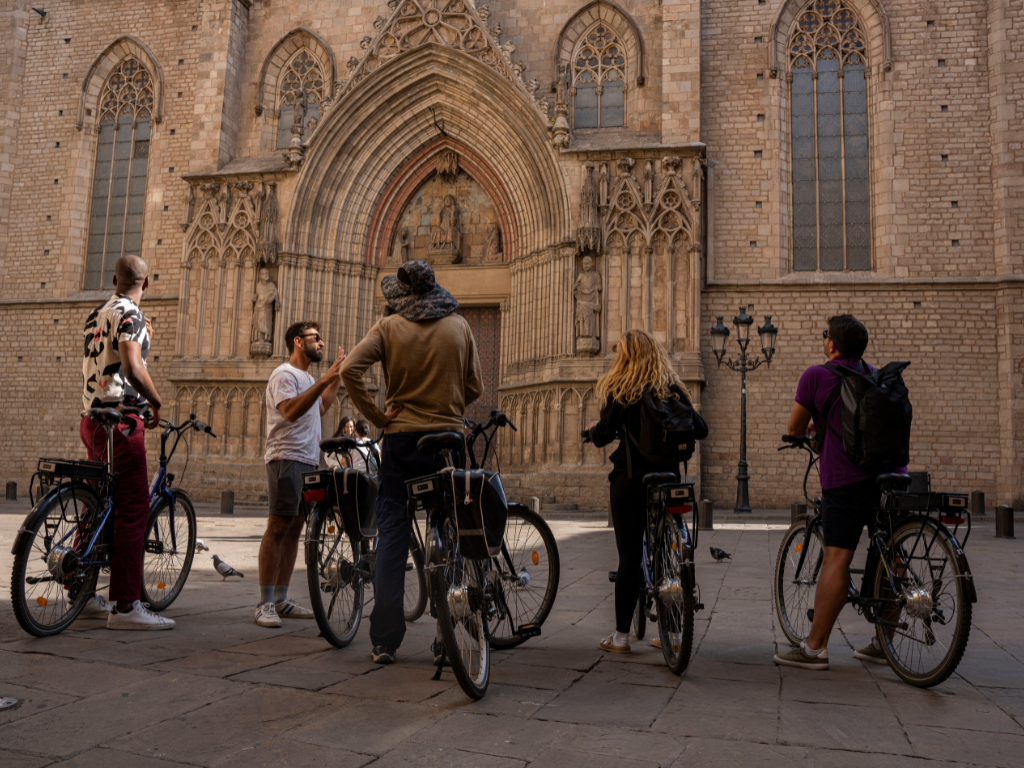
(25, 531)
(688, 575)
(965, 568)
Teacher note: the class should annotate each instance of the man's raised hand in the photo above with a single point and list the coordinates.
(334, 372)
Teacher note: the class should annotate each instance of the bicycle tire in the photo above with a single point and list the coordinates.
(792, 611)
(331, 569)
(30, 562)
(917, 527)
(453, 581)
(538, 566)
(676, 602)
(415, 583)
(168, 567)
(640, 616)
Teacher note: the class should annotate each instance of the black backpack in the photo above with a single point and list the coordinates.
(875, 416)
(667, 434)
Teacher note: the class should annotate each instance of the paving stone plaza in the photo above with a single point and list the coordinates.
(220, 691)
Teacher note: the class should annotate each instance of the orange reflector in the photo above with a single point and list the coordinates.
(314, 495)
(330, 529)
(675, 546)
(162, 585)
(799, 547)
(41, 601)
(536, 557)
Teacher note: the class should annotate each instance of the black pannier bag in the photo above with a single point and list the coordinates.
(482, 520)
(357, 499)
(875, 415)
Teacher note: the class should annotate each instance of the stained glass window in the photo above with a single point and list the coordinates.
(302, 75)
(829, 128)
(599, 80)
(119, 181)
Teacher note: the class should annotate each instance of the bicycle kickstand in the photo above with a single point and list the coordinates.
(440, 664)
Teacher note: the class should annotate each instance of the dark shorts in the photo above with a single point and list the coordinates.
(284, 480)
(846, 510)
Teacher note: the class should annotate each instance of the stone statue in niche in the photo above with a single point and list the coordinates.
(403, 247)
(493, 251)
(265, 303)
(445, 234)
(587, 292)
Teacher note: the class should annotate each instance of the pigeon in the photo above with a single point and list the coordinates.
(720, 555)
(224, 569)
(201, 546)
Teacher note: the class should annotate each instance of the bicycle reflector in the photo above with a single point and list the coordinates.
(952, 504)
(315, 495)
(683, 509)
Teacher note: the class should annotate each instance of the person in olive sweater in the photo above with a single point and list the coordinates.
(640, 364)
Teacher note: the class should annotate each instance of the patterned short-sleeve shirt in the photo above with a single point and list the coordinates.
(104, 384)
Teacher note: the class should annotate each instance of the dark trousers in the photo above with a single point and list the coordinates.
(400, 461)
(131, 511)
(629, 517)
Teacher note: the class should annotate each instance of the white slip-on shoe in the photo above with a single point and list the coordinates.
(139, 618)
(266, 616)
(289, 609)
(98, 607)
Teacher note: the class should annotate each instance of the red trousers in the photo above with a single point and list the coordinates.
(131, 510)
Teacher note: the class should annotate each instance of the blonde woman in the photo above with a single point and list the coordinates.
(640, 364)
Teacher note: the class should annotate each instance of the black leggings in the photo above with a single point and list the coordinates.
(629, 516)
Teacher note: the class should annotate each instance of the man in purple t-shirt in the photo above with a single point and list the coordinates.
(849, 494)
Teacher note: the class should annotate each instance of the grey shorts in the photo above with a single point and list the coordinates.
(284, 479)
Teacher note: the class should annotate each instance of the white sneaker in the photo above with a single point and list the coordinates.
(138, 618)
(289, 609)
(266, 616)
(98, 607)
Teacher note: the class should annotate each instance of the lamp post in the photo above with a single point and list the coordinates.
(719, 336)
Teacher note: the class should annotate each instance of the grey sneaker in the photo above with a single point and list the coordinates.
(870, 653)
(798, 657)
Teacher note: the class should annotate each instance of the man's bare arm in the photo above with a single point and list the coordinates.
(134, 370)
(799, 420)
(294, 408)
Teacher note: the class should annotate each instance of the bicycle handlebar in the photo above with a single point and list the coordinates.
(192, 423)
(794, 442)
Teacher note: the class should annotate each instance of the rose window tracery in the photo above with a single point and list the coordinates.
(828, 103)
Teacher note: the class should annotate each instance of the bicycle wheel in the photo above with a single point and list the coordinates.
(168, 550)
(640, 616)
(794, 592)
(335, 580)
(415, 583)
(527, 572)
(675, 598)
(49, 584)
(458, 597)
(929, 622)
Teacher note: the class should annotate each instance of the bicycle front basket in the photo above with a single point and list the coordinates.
(482, 520)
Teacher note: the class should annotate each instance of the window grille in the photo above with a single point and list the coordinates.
(303, 74)
(599, 80)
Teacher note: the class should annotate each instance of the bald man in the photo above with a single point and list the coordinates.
(114, 375)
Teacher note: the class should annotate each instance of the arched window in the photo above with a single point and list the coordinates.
(119, 182)
(301, 75)
(831, 198)
(599, 79)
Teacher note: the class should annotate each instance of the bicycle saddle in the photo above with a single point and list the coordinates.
(332, 444)
(438, 441)
(894, 481)
(660, 478)
(106, 415)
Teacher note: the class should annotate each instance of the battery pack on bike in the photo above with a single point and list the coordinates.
(952, 507)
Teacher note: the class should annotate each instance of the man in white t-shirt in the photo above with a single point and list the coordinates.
(295, 403)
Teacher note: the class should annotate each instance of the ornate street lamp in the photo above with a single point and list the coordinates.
(719, 337)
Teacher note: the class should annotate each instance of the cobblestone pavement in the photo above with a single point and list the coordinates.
(218, 690)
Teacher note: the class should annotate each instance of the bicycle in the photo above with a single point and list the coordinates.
(172, 521)
(528, 567)
(340, 551)
(67, 538)
(917, 588)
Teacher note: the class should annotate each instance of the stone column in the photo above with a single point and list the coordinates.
(680, 115)
(219, 83)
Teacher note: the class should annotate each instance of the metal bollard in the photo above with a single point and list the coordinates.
(1004, 522)
(227, 502)
(978, 503)
(12, 491)
(705, 516)
(796, 512)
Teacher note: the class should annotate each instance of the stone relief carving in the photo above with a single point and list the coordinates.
(266, 249)
(445, 234)
(560, 132)
(670, 213)
(493, 250)
(588, 234)
(265, 304)
(587, 292)
(403, 247)
(447, 166)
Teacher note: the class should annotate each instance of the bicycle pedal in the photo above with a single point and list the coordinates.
(526, 631)
(699, 607)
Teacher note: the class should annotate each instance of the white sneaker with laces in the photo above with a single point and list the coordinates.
(289, 609)
(266, 616)
(139, 618)
(98, 607)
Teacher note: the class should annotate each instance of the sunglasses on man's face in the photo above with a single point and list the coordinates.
(315, 337)
(824, 334)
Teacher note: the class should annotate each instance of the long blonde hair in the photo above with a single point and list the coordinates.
(640, 361)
